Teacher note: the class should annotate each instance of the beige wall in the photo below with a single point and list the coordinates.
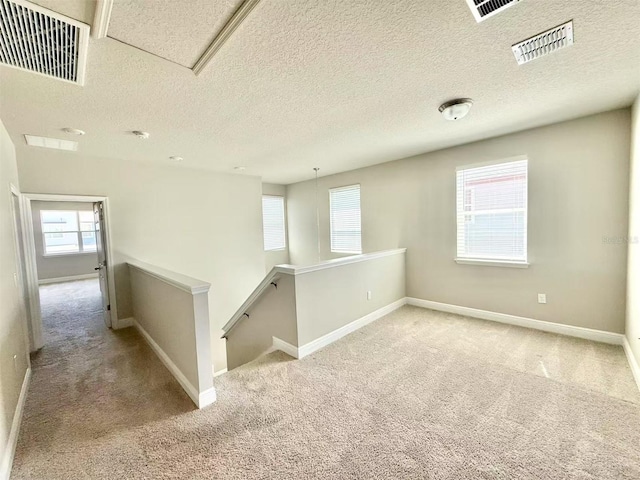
(178, 323)
(281, 256)
(273, 315)
(201, 224)
(633, 286)
(578, 194)
(13, 340)
(329, 299)
(56, 266)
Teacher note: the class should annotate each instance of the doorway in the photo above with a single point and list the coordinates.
(67, 257)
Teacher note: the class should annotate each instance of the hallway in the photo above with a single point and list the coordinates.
(88, 384)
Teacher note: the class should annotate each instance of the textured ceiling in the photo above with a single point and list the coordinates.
(336, 84)
(179, 31)
(81, 10)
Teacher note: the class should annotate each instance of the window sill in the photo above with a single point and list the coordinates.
(491, 263)
(277, 250)
(68, 254)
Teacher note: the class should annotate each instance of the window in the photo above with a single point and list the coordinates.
(492, 212)
(273, 222)
(344, 206)
(68, 231)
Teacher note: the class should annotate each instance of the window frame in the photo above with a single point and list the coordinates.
(495, 261)
(284, 224)
(79, 232)
(332, 248)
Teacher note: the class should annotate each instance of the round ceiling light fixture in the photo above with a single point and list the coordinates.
(73, 131)
(176, 158)
(456, 109)
(141, 134)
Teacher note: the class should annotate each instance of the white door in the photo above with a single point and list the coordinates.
(102, 267)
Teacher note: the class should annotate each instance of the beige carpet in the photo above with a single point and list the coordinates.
(418, 394)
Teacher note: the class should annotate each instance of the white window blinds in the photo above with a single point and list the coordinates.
(492, 212)
(344, 206)
(273, 222)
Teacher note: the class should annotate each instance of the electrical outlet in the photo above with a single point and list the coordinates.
(542, 298)
(369, 295)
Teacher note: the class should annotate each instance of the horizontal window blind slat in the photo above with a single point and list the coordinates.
(345, 219)
(273, 222)
(491, 204)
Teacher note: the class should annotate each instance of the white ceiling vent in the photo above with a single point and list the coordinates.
(38, 40)
(483, 9)
(544, 43)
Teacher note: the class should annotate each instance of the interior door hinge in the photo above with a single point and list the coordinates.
(108, 307)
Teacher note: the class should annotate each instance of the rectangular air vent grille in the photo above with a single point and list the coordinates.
(544, 43)
(483, 9)
(40, 41)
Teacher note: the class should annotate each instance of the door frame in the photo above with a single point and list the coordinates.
(14, 192)
(30, 254)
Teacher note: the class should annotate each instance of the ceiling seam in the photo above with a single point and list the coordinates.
(147, 51)
(225, 33)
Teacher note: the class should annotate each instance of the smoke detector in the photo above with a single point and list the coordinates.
(544, 43)
(140, 134)
(456, 109)
(483, 9)
(40, 41)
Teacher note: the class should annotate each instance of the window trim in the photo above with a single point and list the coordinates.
(284, 223)
(79, 232)
(492, 261)
(336, 189)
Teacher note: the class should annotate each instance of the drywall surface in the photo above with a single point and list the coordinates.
(578, 214)
(277, 257)
(13, 329)
(633, 279)
(200, 224)
(167, 315)
(274, 315)
(329, 299)
(56, 266)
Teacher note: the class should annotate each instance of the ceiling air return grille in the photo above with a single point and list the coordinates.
(544, 43)
(483, 9)
(40, 41)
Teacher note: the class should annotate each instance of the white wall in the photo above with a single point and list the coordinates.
(280, 256)
(13, 340)
(633, 282)
(56, 266)
(201, 224)
(578, 194)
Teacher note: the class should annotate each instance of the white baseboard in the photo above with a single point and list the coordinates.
(217, 373)
(12, 441)
(123, 323)
(570, 330)
(279, 344)
(633, 362)
(207, 397)
(71, 278)
(331, 337)
(200, 399)
(317, 344)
